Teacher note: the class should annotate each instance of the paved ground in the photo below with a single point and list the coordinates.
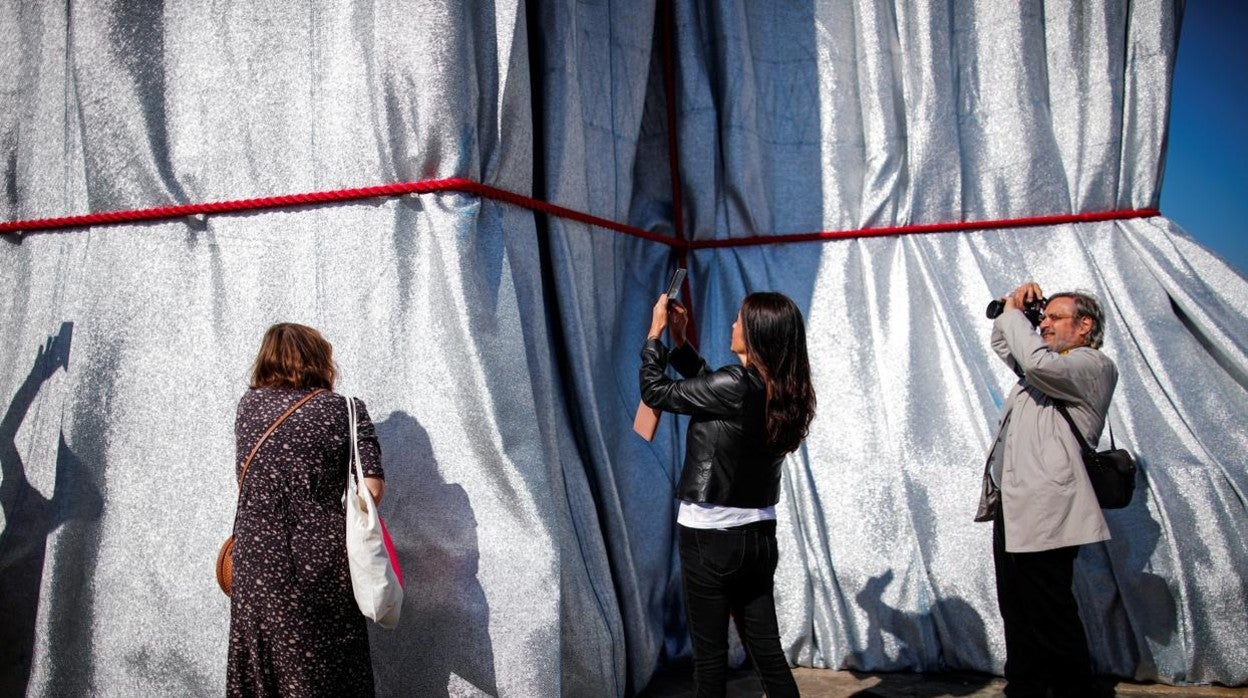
(818, 683)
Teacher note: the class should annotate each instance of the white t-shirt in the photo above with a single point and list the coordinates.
(705, 516)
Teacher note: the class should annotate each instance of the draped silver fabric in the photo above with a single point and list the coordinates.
(497, 348)
(118, 474)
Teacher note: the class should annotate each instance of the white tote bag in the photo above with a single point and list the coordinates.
(375, 575)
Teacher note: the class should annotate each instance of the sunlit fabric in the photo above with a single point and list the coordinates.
(497, 349)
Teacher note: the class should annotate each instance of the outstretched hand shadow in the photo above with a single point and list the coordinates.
(29, 517)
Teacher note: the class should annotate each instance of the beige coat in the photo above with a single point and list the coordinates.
(1049, 502)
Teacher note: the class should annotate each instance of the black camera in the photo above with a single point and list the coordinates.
(1033, 309)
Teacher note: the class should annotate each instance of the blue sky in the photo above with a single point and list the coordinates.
(1205, 188)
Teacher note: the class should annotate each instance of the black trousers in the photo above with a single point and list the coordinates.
(1045, 645)
(730, 572)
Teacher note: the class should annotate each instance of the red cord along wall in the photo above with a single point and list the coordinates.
(469, 186)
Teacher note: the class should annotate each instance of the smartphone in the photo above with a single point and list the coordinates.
(673, 286)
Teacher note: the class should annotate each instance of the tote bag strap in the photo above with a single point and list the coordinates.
(267, 432)
(353, 458)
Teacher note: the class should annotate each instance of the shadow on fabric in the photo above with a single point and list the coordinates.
(1159, 620)
(30, 518)
(1130, 613)
(443, 638)
(948, 612)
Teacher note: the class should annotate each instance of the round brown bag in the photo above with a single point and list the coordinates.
(225, 565)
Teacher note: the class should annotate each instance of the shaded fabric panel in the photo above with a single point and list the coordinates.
(600, 106)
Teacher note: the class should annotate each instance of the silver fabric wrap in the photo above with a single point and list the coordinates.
(497, 349)
(434, 305)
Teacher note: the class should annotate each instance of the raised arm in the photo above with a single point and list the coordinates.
(1078, 375)
(718, 393)
(686, 360)
(1002, 347)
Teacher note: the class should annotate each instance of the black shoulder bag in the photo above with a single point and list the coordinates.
(1112, 472)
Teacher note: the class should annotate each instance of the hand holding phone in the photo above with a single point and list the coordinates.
(646, 420)
(677, 323)
(659, 316)
(673, 286)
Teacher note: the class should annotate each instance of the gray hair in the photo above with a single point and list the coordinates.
(1086, 305)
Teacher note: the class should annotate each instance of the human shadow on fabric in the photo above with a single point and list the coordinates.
(950, 620)
(443, 637)
(1139, 607)
(140, 27)
(1159, 620)
(30, 517)
(74, 561)
(10, 182)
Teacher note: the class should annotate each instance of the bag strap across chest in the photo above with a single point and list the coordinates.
(1083, 443)
(276, 423)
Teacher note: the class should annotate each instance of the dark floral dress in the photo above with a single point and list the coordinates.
(294, 627)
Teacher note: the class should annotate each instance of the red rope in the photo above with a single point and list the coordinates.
(322, 197)
(951, 227)
(487, 191)
(555, 210)
(235, 206)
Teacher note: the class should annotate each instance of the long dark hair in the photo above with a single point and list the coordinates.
(775, 341)
(294, 356)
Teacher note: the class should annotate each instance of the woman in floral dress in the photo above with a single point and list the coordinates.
(295, 629)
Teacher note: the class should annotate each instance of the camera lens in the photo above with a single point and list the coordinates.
(995, 308)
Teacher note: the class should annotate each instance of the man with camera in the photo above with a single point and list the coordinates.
(1036, 490)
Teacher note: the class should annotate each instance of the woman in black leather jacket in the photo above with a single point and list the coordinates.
(744, 420)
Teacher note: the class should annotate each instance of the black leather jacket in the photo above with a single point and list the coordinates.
(727, 460)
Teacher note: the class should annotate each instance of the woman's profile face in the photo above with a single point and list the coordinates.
(738, 335)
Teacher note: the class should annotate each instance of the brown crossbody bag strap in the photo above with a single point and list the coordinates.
(265, 435)
(225, 556)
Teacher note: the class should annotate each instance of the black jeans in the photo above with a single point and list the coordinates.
(730, 571)
(1045, 645)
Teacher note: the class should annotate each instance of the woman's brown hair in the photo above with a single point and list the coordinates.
(775, 341)
(294, 356)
